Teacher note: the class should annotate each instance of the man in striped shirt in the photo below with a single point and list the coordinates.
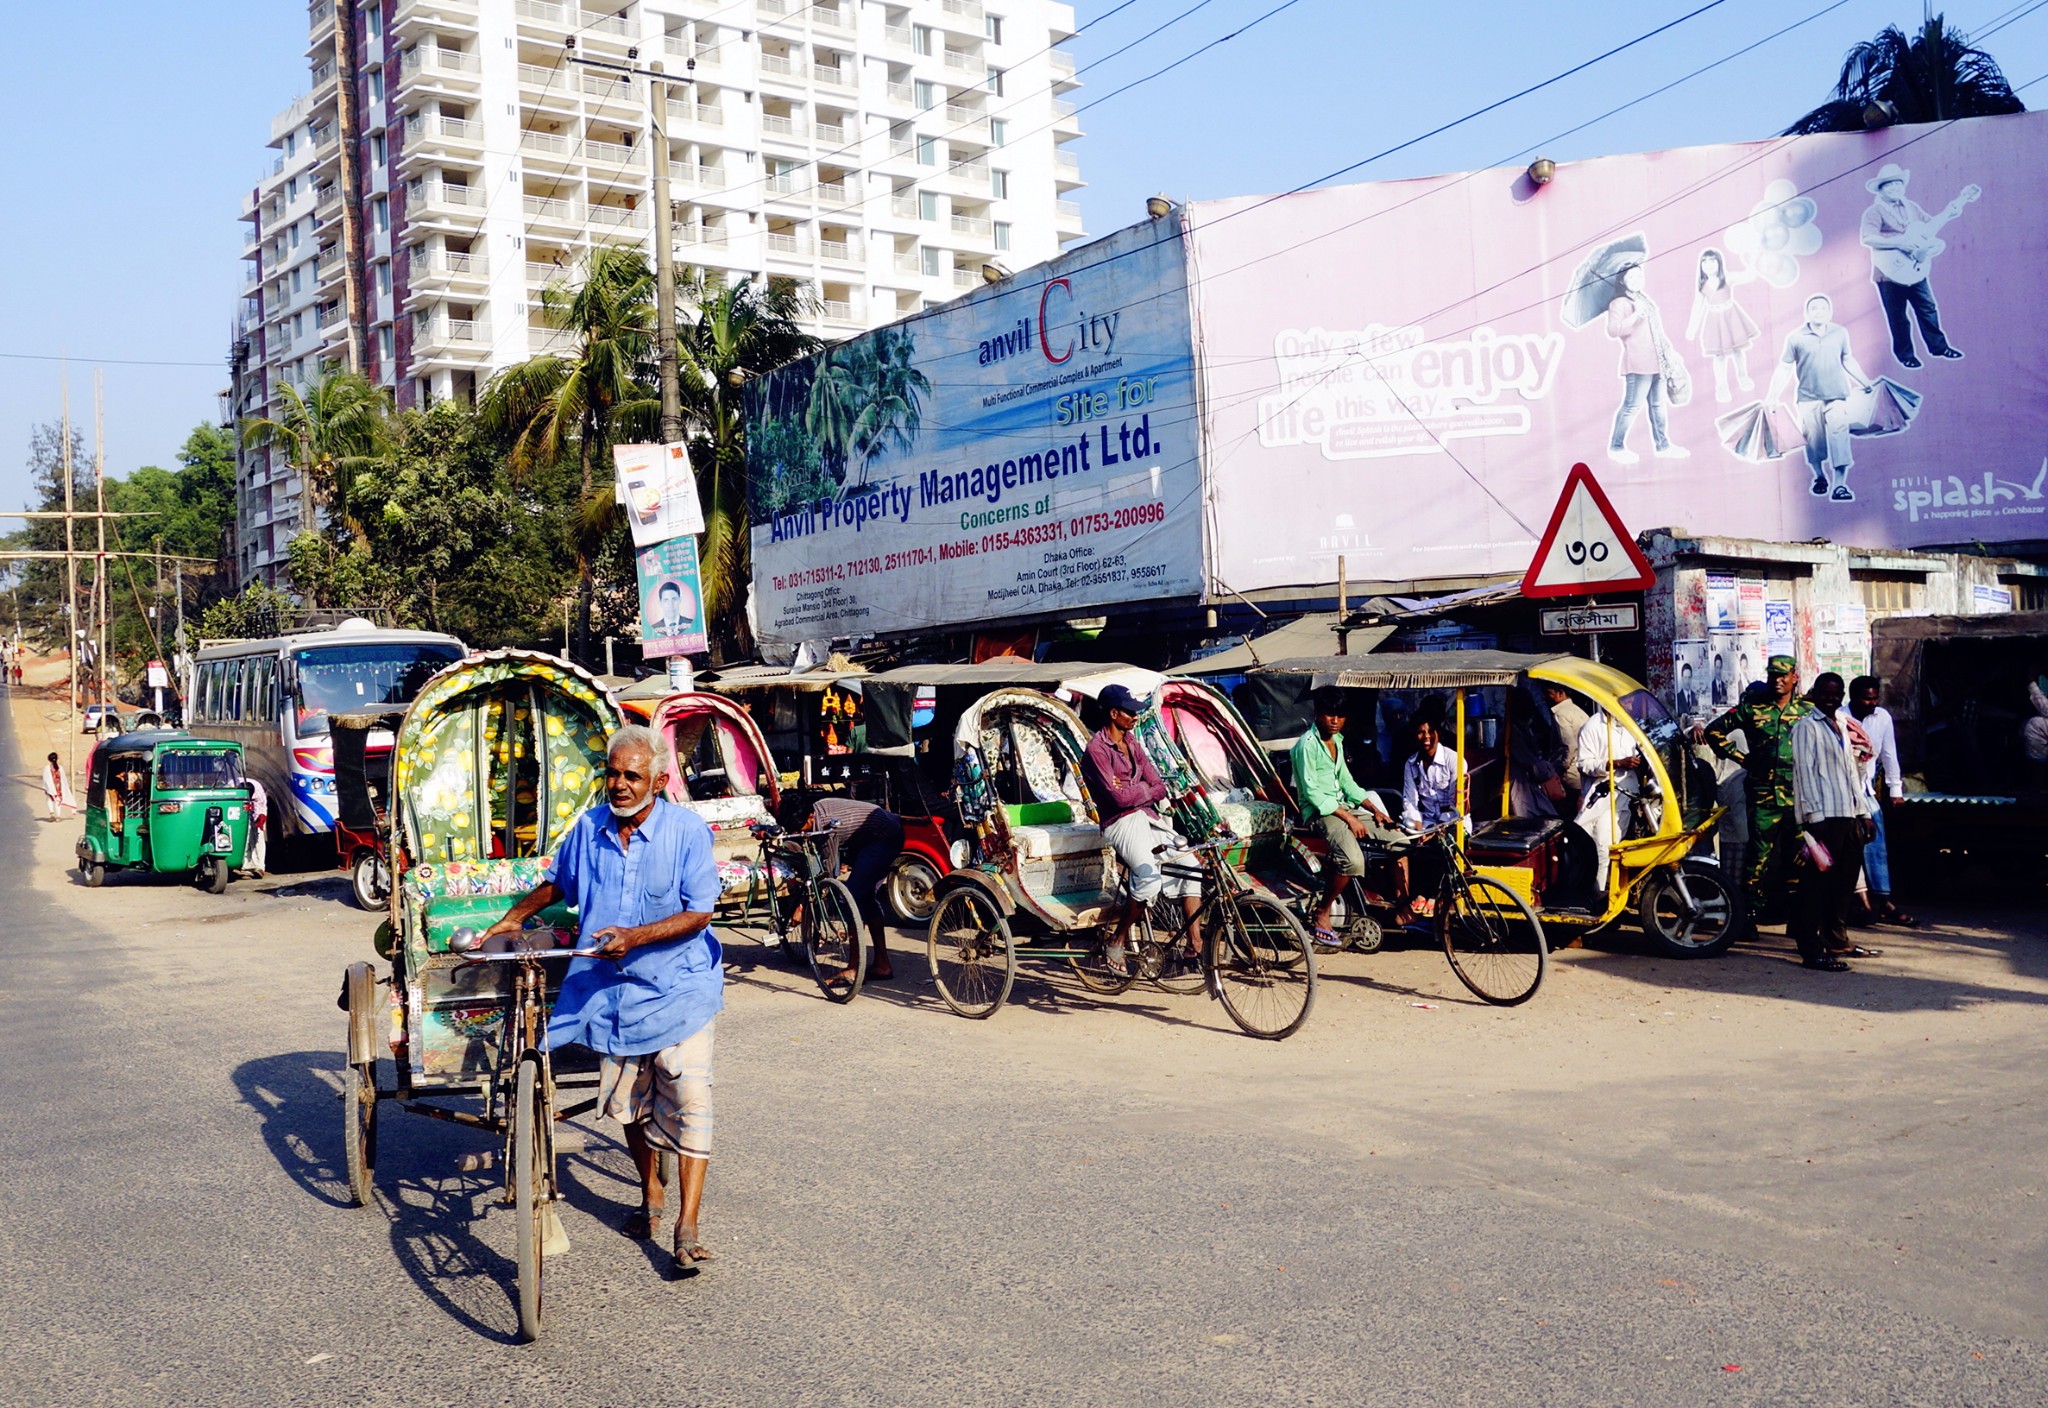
(1831, 805)
(869, 839)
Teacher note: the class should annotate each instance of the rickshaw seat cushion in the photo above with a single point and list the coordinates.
(1056, 839)
(443, 916)
(721, 813)
(1039, 814)
(1251, 818)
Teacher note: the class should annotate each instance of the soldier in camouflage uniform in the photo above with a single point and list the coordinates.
(1766, 726)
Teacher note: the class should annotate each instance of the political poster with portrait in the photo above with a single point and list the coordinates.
(671, 599)
(659, 491)
(1691, 693)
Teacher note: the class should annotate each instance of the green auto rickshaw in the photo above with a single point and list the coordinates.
(164, 801)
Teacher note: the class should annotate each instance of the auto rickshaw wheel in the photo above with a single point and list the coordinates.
(213, 875)
(909, 888)
(973, 960)
(94, 874)
(1705, 928)
(368, 884)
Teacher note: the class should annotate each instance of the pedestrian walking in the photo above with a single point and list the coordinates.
(1833, 814)
(57, 789)
(1885, 787)
(640, 872)
(1766, 727)
(256, 857)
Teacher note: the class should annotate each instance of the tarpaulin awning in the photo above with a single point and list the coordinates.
(991, 674)
(1423, 669)
(1304, 636)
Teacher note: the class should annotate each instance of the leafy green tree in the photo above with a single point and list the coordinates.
(328, 434)
(1933, 76)
(577, 404)
(256, 611)
(737, 332)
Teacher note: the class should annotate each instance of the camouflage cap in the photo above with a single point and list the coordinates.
(1781, 665)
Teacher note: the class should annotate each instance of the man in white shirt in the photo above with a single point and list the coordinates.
(1610, 773)
(1429, 780)
(1884, 785)
(1830, 806)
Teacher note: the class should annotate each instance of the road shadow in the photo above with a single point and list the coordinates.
(297, 1095)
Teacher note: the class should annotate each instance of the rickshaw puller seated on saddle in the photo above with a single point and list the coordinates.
(1347, 813)
(1128, 790)
(641, 874)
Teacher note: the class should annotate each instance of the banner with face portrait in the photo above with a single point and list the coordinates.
(671, 599)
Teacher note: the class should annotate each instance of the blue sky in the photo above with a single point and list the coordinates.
(133, 144)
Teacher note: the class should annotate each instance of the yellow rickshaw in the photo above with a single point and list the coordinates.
(1660, 865)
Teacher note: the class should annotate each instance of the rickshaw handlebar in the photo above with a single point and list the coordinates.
(521, 955)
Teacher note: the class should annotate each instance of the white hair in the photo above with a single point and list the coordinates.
(640, 736)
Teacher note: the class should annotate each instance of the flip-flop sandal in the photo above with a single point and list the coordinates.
(639, 1223)
(1327, 938)
(692, 1256)
(1892, 914)
(1856, 951)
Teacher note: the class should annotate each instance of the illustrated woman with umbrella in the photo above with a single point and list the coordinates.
(1609, 285)
(1719, 324)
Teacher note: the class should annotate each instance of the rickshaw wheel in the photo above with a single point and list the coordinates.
(1264, 969)
(1717, 920)
(359, 1133)
(1095, 977)
(366, 881)
(1360, 932)
(835, 942)
(1493, 940)
(909, 888)
(1165, 973)
(528, 1208)
(968, 945)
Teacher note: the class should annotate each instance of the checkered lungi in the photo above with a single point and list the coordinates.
(669, 1092)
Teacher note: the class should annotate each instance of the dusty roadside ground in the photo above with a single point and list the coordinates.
(1878, 1133)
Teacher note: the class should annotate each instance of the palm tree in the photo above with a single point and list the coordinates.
(580, 401)
(738, 332)
(1933, 77)
(339, 425)
(893, 409)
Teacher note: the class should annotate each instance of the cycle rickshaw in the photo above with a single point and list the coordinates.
(1661, 818)
(492, 765)
(1042, 882)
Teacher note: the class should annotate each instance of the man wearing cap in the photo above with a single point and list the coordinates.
(1127, 791)
(1766, 727)
(1900, 238)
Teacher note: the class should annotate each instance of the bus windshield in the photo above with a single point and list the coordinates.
(177, 769)
(336, 679)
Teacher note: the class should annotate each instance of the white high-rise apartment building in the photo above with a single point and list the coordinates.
(453, 158)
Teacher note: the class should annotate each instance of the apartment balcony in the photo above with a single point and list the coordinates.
(418, 18)
(969, 176)
(841, 252)
(453, 339)
(789, 246)
(553, 211)
(325, 137)
(962, 15)
(1066, 120)
(539, 275)
(333, 315)
(543, 14)
(611, 154)
(422, 130)
(598, 22)
(439, 202)
(779, 9)
(778, 65)
(701, 114)
(610, 90)
(904, 207)
(319, 20)
(1066, 217)
(905, 93)
(966, 124)
(706, 178)
(845, 192)
(1062, 65)
(1066, 169)
(691, 52)
(899, 36)
(837, 17)
(431, 66)
(547, 149)
(967, 278)
(327, 204)
(322, 80)
(839, 132)
(541, 339)
(328, 268)
(971, 225)
(443, 267)
(839, 311)
(833, 76)
(696, 241)
(613, 220)
(967, 63)
(909, 264)
(776, 125)
(544, 87)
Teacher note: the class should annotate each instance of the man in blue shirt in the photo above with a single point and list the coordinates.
(640, 872)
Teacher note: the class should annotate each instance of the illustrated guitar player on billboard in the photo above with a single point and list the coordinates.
(1902, 241)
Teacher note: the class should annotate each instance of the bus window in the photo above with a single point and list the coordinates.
(341, 678)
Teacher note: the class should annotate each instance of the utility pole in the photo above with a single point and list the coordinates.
(70, 579)
(99, 574)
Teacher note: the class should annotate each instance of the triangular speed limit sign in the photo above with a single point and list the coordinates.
(1585, 549)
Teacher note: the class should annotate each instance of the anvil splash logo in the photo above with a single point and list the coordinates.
(1935, 496)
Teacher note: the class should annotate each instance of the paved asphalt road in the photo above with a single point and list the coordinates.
(1075, 1203)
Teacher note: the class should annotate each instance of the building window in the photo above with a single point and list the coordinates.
(384, 343)
(999, 184)
(931, 263)
(927, 95)
(384, 276)
(291, 142)
(998, 131)
(927, 206)
(380, 214)
(1002, 232)
(376, 149)
(297, 270)
(291, 189)
(927, 151)
(921, 38)
(376, 86)
(995, 80)
(992, 28)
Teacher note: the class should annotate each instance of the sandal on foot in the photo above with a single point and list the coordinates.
(639, 1224)
(1114, 961)
(1825, 965)
(1892, 914)
(1326, 937)
(691, 1255)
(1856, 951)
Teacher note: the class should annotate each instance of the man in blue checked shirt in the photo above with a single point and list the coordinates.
(639, 871)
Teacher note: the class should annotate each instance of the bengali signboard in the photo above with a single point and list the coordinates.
(1028, 451)
(671, 599)
(1762, 340)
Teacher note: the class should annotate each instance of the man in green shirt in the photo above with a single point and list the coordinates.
(1766, 726)
(1331, 797)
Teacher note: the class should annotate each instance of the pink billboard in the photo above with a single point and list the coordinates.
(1837, 336)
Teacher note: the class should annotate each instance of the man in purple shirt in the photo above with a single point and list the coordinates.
(1127, 790)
